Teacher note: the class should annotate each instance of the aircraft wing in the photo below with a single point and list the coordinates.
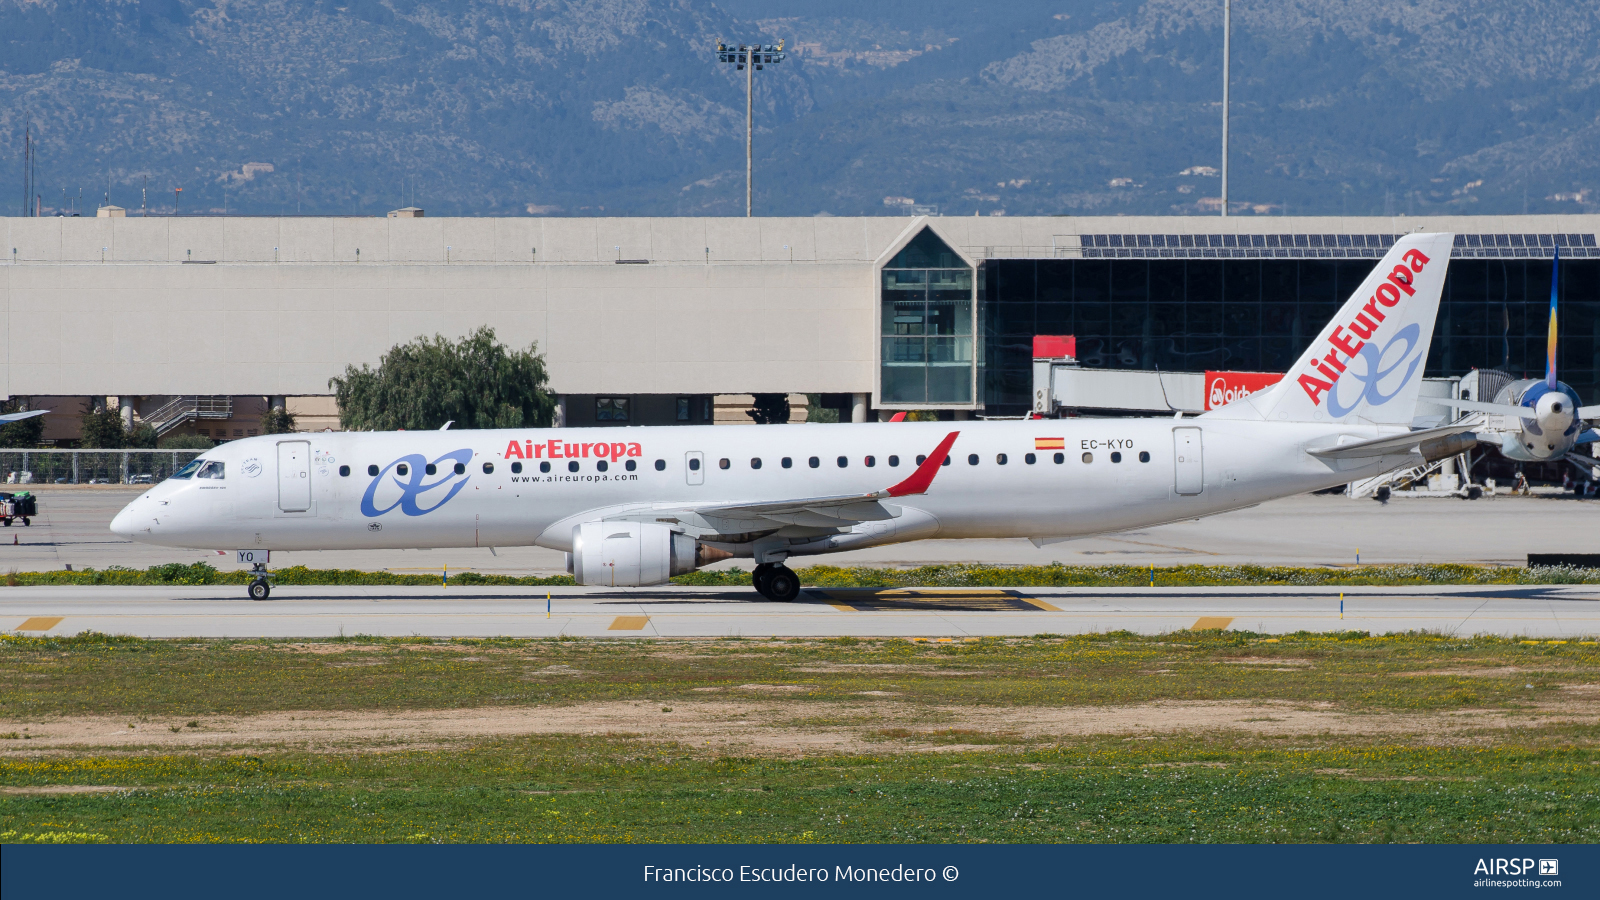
(1394, 445)
(829, 511)
(1589, 412)
(1503, 409)
(17, 417)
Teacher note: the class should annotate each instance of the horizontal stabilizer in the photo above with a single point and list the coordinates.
(1589, 412)
(1503, 409)
(1395, 445)
(1588, 437)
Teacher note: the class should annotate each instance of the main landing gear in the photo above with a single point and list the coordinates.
(776, 581)
(259, 588)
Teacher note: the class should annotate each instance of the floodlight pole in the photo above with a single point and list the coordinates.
(1227, 29)
(749, 136)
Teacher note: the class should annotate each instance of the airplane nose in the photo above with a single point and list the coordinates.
(124, 524)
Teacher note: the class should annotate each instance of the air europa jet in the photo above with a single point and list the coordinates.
(636, 506)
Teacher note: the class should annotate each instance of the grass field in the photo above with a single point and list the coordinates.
(1202, 736)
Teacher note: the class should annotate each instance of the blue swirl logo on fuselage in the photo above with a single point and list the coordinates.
(413, 484)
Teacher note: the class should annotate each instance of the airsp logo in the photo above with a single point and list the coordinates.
(250, 467)
(405, 483)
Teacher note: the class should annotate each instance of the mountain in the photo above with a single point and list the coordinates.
(620, 107)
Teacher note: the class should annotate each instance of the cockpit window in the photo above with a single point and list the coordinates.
(189, 468)
(211, 469)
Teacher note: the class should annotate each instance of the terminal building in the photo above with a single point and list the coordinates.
(202, 324)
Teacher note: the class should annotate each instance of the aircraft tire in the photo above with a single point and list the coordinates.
(783, 585)
(761, 579)
(259, 589)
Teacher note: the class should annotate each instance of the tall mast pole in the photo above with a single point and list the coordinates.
(1227, 29)
(749, 126)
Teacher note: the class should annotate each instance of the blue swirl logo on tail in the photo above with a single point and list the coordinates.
(412, 485)
(1372, 378)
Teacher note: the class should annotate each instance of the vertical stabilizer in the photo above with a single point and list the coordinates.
(1366, 364)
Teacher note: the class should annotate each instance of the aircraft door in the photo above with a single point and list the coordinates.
(695, 466)
(294, 476)
(1189, 477)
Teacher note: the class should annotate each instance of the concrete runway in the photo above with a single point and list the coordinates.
(1544, 612)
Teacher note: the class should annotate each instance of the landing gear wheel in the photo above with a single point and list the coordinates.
(259, 589)
(761, 579)
(782, 584)
(27, 521)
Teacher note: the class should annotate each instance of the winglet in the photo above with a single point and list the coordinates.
(898, 417)
(923, 476)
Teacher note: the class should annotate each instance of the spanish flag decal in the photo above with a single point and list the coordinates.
(1049, 443)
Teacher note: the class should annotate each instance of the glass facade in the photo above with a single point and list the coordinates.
(927, 326)
(1260, 314)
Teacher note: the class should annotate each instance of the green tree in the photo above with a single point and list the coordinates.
(770, 409)
(102, 430)
(277, 421)
(475, 382)
(141, 437)
(25, 433)
(817, 413)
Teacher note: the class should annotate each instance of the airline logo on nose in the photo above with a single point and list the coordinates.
(406, 484)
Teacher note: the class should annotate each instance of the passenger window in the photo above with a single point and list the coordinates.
(1060, 458)
(972, 459)
(1030, 459)
(602, 465)
(572, 466)
(871, 461)
(947, 459)
(788, 463)
(516, 468)
(814, 462)
(372, 470)
(544, 467)
(1000, 459)
(1088, 457)
(844, 461)
(431, 469)
(661, 465)
(211, 469)
(722, 463)
(921, 459)
(402, 469)
(1144, 456)
(461, 468)
(694, 465)
(488, 468)
(631, 465)
(755, 462)
(344, 471)
(187, 471)
(894, 462)
(1116, 456)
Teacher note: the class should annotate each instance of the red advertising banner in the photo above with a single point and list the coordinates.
(1223, 388)
(1054, 346)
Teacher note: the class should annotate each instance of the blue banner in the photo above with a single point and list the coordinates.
(305, 872)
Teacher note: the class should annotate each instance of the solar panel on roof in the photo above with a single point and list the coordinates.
(1143, 240)
(1588, 240)
(1472, 240)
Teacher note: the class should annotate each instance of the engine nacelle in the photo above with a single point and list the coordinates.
(633, 554)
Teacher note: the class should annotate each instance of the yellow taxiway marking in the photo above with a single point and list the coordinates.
(1206, 623)
(842, 608)
(628, 623)
(40, 623)
(1040, 603)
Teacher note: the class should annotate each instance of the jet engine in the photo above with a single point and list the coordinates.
(634, 554)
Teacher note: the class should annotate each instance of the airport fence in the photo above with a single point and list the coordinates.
(19, 467)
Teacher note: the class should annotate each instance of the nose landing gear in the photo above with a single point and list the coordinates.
(259, 586)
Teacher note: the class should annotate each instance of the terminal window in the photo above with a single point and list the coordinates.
(611, 409)
(927, 325)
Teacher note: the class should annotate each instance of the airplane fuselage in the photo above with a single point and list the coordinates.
(1039, 478)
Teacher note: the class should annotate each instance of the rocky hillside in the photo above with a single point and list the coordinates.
(508, 107)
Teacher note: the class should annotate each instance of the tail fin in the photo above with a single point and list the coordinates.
(1550, 348)
(1366, 365)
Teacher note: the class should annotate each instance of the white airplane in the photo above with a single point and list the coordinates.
(1532, 419)
(636, 506)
